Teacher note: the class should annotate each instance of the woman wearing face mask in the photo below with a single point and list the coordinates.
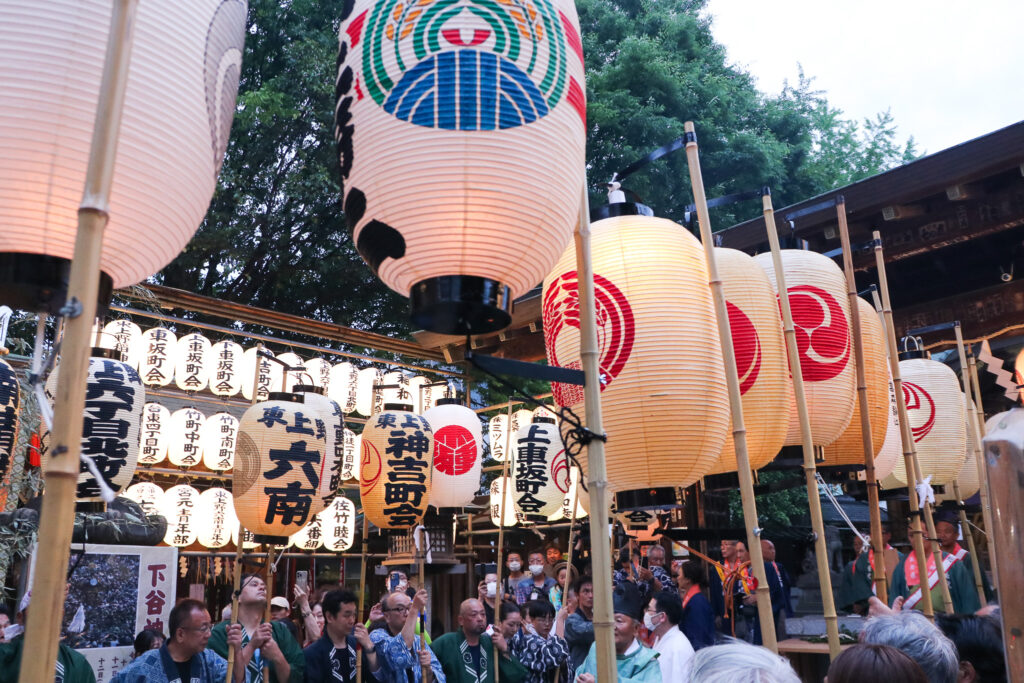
(675, 654)
(514, 563)
(536, 586)
(487, 593)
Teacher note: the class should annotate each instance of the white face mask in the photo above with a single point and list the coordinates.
(402, 584)
(515, 565)
(649, 621)
(537, 569)
(492, 588)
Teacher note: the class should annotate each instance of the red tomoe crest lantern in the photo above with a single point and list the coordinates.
(746, 346)
(458, 447)
(920, 410)
(822, 332)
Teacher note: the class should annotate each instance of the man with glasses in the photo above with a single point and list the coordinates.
(467, 655)
(333, 656)
(402, 655)
(184, 657)
(264, 644)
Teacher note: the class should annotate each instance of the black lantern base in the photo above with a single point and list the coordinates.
(646, 499)
(39, 283)
(270, 540)
(461, 304)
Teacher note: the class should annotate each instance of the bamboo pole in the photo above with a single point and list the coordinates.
(966, 527)
(875, 512)
(739, 430)
(810, 468)
(362, 590)
(57, 514)
(568, 562)
(269, 581)
(501, 521)
(909, 453)
(597, 474)
(986, 501)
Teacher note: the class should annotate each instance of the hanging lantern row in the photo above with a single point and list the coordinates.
(10, 398)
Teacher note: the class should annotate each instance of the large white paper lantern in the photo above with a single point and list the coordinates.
(10, 400)
(178, 105)
(395, 472)
(148, 495)
(499, 436)
(219, 438)
(577, 493)
(268, 379)
(154, 434)
(215, 518)
(396, 388)
(820, 306)
(351, 455)
(157, 356)
(421, 398)
(540, 470)
(664, 395)
(179, 508)
(339, 524)
(439, 116)
(458, 445)
(184, 445)
(293, 377)
(319, 372)
(333, 422)
(503, 513)
(311, 536)
(124, 336)
(191, 367)
(342, 387)
(226, 368)
(369, 400)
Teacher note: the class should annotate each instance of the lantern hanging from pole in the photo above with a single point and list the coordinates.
(891, 453)
(368, 396)
(540, 470)
(184, 447)
(458, 443)
(126, 337)
(418, 387)
(394, 475)
(179, 508)
(576, 492)
(155, 434)
(191, 368)
(520, 419)
(503, 512)
(351, 455)
(268, 379)
(848, 449)
(177, 112)
(215, 518)
(279, 463)
(660, 356)
(157, 359)
(10, 400)
(339, 524)
(760, 351)
(319, 371)
(334, 424)
(396, 388)
(447, 94)
(640, 524)
(498, 436)
(342, 387)
(249, 541)
(311, 536)
(967, 477)
(543, 411)
(293, 377)
(821, 317)
(225, 361)
(218, 440)
(148, 495)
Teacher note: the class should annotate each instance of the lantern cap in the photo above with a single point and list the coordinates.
(307, 389)
(39, 283)
(100, 352)
(404, 407)
(448, 402)
(646, 499)
(276, 540)
(544, 419)
(461, 304)
(285, 396)
(791, 242)
(621, 209)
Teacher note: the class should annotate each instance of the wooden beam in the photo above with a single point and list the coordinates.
(982, 312)
(899, 212)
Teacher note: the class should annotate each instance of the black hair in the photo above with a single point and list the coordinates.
(537, 551)
(507, 608)
(669, 604)
(978, 640)
(181, 613)
(333, 600)
(540, 608)
(578, 584)
(145, 639)
(693, 571)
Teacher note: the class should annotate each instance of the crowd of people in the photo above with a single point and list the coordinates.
(680, 621)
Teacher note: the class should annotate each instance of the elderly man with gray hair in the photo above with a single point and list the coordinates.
(740, 662)
(919, 639)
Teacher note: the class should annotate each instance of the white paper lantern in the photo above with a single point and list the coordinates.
(342, 387)
(191, 367)
(368, 399)
(319, 372)
(184, 445)
(226, 373)
(499, 436)
(293, 377)
(540, 471)
(503, 516)
(215, 518)
(458, 446)
(10, 400)
(396, 388)
(148, 495)
(218, 440)
(421, 399)
(339, 524)
(156, 362)
(544, 412)
(154, 434)
(124, 336)
(431, 139)
(520, 419)
(249, 541)
(891, 454)
(269, 378)
(351, 455)
(179, 508)
(577, 493)
(311, 536)
(333, 422)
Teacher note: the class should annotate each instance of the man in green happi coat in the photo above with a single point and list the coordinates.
(467, 654)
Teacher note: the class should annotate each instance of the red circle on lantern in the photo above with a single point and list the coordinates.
(560, 471)
(822, 332)
(746, 347)
(920, 403)
(370, 467)
(454, 450)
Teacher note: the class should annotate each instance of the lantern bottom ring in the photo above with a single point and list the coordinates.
(275, 540)
(39, 283)
(461, 304)
(646, 499)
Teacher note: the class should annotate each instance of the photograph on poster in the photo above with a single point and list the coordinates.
(108, 587)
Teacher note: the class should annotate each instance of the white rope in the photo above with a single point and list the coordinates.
(925, 492)
(822, 486)
(426, 537)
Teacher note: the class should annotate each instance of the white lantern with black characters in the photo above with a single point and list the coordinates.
(333, 422)
(126, 337)
(342, 386)
(219, 437)
(184, 448)
(10, 398)
(311, 536)
(351, 455)
(293, 377)
(156, 362)
(225, 375)
(179, 508)
(319, 373)
(215, 518)
(154, 434)
(268, 378)
(369, 400)
(540, 470)
(191, 367)
(148, 495)
(498, 435)
(338, 521)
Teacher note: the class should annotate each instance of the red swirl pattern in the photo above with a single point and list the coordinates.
(822, 332)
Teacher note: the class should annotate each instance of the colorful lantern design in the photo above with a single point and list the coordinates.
(10, 400)
(219, 437)
(821, 317)
(226, 368)
(540, 471)
(168, 155)
(156, 364)
(124, 336)
(191, 368)
(660, 356)
(499, 436)
(451, 91)
(503, 516)
(311, 536)
(369, 400)
(268, 379)
(319, 373)
(148, 495)
(339, 524)
(848, 449)
(343, 386)
(155, 433)
(351, 455)
(184, 445)
(293, 377)
(458, 446)
(215, 518)
(279, 463)
(179, 508)
(760, 351)
(334, 424)
(394, 475)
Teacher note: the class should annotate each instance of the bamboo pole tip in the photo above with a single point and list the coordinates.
(688, 127)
